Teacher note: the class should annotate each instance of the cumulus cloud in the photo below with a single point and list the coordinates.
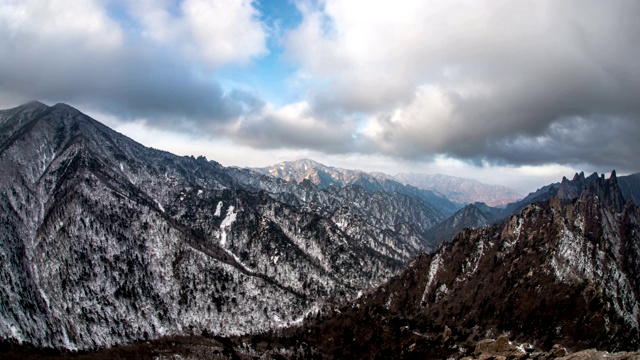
(216, 32)
(152, 60)
(479, 80)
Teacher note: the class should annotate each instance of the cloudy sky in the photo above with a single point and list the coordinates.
(518, 93)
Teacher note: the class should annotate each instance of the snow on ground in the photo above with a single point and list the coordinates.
(433, 270)
(226, 223)
(218, 209)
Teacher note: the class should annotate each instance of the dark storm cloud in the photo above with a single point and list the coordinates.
(573, 100)
(510, 83)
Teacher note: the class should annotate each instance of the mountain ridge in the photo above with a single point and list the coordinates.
(324, 177)
(456, 189)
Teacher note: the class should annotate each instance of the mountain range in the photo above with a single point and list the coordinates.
(106, 242)
(99, 230)
(462, 190)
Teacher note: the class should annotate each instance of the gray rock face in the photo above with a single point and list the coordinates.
(105, 241)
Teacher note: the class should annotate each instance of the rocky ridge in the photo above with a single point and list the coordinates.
(480, 214)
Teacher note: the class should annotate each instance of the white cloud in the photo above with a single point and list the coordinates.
(138, 58)
(401, 131)
(216, 32)
(31, 24)
(49, 39)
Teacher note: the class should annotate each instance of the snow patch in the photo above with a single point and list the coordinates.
(15, 333)
(433, 271)
(226, 223)
(218, 209)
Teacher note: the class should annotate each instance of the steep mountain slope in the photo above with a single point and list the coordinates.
(560, 271)
(408, 214)
(461, 190)
(90, 258)
(105, 241)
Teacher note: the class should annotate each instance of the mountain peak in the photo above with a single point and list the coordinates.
(578, 176)
(606, 191)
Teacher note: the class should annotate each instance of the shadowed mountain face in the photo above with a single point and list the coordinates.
(471, 216)
(105, 241)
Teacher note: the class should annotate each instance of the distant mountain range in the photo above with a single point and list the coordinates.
(458, 190)
(461, 190)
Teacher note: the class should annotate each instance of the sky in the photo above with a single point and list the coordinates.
(516, 93)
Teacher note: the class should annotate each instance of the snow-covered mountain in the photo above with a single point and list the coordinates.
(461, 190)
(327, 177)
(105, 241)
(322, 175)
(437, 187)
